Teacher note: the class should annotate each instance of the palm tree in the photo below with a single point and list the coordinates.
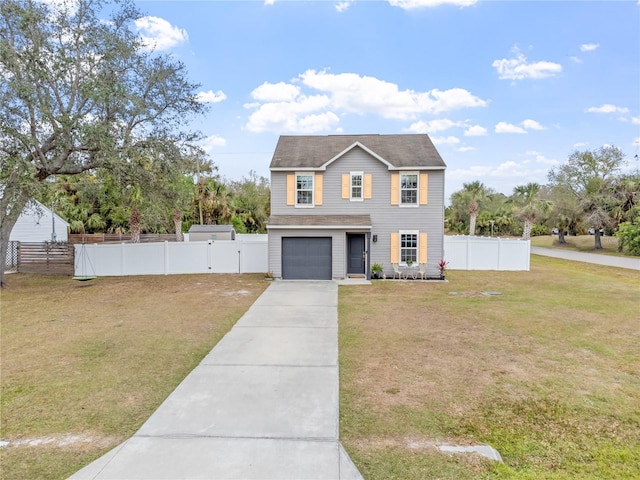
(471, 196)
(529, 206)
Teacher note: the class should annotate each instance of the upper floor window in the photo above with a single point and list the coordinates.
(408, 189)
(356, 185)
(304, 189)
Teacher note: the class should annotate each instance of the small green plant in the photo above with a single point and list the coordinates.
(376, 270)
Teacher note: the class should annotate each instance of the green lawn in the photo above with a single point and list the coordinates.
(547, 372)
(579, 243)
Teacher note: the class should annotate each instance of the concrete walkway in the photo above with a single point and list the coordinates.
(262, 405)
(607, 260)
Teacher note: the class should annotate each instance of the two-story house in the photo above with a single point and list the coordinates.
(340, 203)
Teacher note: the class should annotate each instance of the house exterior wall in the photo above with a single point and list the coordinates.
(385, 218)
(35, 224)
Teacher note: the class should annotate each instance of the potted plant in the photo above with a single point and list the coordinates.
(376, 270)
(268, 276)
(443, 268)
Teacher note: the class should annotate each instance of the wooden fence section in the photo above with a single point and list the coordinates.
(46, 258)
(119, 237)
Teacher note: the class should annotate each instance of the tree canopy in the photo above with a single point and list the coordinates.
(80, 92)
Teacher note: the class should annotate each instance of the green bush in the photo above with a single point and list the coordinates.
(628, 235)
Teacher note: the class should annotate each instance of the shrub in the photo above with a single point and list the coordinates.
(628, 235)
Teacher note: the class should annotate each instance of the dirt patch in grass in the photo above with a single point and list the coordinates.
(546, 372)
(84, 364)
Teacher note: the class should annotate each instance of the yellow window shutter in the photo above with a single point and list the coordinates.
(395, 189)
(317, 182)
(422, 244)
(395, 247)
(368, 185)
(346, 180)
(424, 188)
(291, 189)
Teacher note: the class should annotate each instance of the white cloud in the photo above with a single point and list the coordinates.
(465, 149)
(298, 116)
(211, 96)
(580, 144)
(450, 140)
(504, 127)
(276, 92)
(412, 4)
(517, 68)
(532, 125)
(157, 33)
(347, 93)
(607, 108)
(589, 47)
(363, 94)
(342, 6)
(269, 2)
(210, 143)
(475, 131)
(432, 126)
(635, 120)
(575, 59)
(542, 160)
(636, 142)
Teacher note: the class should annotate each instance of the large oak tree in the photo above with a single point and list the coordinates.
(79, 92)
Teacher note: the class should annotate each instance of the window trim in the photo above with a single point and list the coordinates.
(311, 189)
(417, 190)
(351, 186)
(416, 249)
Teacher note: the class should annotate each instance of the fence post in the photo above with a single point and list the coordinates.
(123, 265)
(166, 258)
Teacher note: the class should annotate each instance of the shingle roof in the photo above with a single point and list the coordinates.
(319, 221)
(314, 151)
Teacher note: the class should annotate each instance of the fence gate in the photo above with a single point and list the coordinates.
(46, 258)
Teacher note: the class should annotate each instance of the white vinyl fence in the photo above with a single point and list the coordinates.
(169, 258)
(486, 253)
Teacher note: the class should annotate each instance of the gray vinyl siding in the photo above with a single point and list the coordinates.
(385, 218)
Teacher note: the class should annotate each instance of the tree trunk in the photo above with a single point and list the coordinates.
(561, 239)
(177, 222)
(11, 211)
(526, 233)
(598, 244)
(135, 224)
(472, 224)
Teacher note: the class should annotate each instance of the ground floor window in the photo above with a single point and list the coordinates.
(408, 247)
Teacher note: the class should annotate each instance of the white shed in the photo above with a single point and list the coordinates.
(38, 223)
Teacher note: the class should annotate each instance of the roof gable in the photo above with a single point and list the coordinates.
(316, 152)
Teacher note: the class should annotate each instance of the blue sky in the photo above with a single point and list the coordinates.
(505, 89)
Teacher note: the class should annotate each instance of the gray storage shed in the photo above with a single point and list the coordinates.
(199, 233)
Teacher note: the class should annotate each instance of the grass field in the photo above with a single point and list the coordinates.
(579, 243)
(547, 372)
(84, 364)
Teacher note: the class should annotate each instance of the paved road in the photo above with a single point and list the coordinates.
(262, 405)
(607, 260)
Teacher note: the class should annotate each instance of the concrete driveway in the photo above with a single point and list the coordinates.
(262, 405)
